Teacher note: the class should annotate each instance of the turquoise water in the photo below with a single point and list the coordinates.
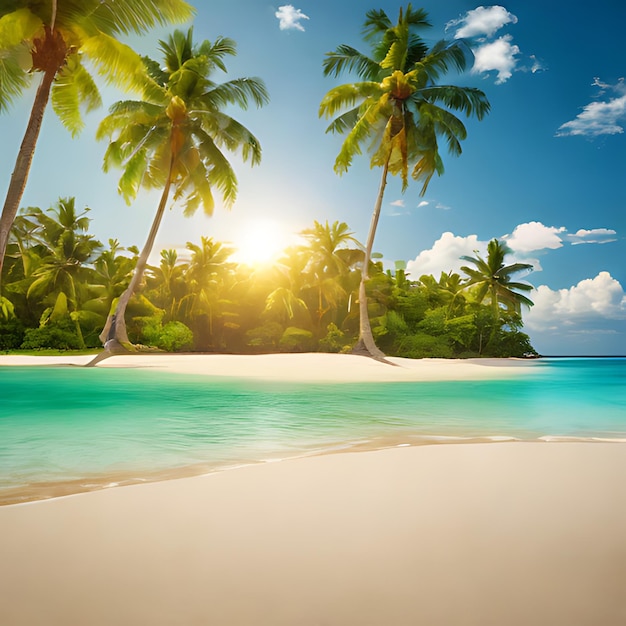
(72, 423)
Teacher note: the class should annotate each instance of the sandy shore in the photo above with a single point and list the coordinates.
(302, 367)
(483, 534)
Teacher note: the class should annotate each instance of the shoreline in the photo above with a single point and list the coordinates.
(290, 368)
(301, 367)
(508, 533)
(42, 491)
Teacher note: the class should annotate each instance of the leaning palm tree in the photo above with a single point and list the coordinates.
(173, 140)
(396, 112)
(492, 278)
(53, 39)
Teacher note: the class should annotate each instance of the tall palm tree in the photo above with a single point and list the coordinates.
(53, 39)
(173, 139)
(396, 112)
(492, 278)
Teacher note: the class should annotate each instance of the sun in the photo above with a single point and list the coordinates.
(261, 242)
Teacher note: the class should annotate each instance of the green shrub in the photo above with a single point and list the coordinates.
(296, 340)
(11, 334)
(423, 346)
(60, 336)
(265, 337)
(175, 337)
(334, 341)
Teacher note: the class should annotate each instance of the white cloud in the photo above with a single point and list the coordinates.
(399, 203)
(499, 55)
(482, 21)
(537, 64)
(289, 17)
(592, 300)
(599, 118)
(445, 255)
(595, 235)
(535, 236)
(422, 204)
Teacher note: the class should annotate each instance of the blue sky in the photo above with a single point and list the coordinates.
(545, 169)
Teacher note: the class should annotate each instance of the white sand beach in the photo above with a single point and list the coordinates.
(301, 367)
(506, 534)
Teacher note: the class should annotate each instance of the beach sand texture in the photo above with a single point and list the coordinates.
(466, 534)
(502, 534)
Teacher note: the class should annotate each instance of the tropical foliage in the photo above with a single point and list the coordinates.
(58, 41)
(60, 284)
(397, 111)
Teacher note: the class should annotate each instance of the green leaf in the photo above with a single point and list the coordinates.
(73, 88)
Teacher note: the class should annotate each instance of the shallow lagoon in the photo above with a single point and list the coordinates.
(87, 425)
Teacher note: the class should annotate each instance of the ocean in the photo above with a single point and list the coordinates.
(65, 429)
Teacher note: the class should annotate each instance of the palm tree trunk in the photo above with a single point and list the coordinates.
(23, 162)
(74, 303)
(365, 344)
(115, 328)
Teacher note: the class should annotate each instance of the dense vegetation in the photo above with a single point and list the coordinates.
(60, 284)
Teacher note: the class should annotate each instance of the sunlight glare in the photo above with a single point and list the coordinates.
(261, 242)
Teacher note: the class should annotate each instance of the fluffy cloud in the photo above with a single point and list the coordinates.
(591, 300)
(535, 236)
(499, 56)
(599, 118)
(595, 235)
(445, 255)
(289, 18)
(482, 21)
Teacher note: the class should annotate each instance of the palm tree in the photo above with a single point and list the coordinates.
(167, 284)
(54, 38)
(396, 112)
(206, 275)
(173, 139)
(329, 262)
(62, 273)
(492, 278)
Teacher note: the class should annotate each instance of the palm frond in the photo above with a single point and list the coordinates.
(215, 51)
(346, 96)
(468, 100)
(131, 178)
(139, 16)
(220, 172)
(344, 122)
(119, 64)
(228, 132)
(445, 56)
(376, 23)
(239, 92)
(72, 88)
(349, 59)
(18, 26)
(13, 81)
